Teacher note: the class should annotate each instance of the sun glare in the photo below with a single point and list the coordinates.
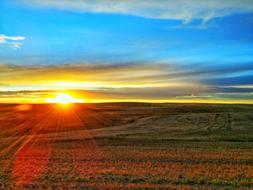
(63, 99)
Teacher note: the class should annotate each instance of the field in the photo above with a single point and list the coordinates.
(126, 146)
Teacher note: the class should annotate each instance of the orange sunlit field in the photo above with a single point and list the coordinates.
(125, 145)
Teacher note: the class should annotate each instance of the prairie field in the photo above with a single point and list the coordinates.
(126, 146)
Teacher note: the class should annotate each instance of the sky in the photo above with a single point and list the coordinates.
(127, 50)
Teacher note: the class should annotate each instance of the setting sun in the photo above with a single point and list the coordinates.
(64, 99)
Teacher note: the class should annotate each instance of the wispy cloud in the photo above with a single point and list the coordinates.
(232, 81)
(100, 75)
(184, 10)
(136, 81)
(12, 41)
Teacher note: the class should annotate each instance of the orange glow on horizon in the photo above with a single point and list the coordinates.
(67, 97)
(64, 99)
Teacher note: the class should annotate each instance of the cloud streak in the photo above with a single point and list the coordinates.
(136, 74)
(184, 10)
(134, 77)
(126, 81)
(12, 41)
(100, 75)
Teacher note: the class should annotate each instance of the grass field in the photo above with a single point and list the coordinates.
(126, 146)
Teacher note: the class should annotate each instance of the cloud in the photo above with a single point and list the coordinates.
(135, 81)
(184, 10)
(232, 81)
(103, 75)
(12, 41)
(114, 80)
(124, 75)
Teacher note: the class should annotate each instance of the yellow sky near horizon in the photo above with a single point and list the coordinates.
(32, 97)
(112, 83)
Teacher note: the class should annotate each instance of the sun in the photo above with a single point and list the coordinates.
(63, 99)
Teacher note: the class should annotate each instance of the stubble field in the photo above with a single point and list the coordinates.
(126, 146)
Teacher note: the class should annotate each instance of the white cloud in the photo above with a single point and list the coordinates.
(12, 41)
(184, 10)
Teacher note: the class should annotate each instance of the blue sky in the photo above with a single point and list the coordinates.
(207, 44)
